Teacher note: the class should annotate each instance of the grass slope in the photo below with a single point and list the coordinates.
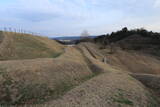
(70, 80)
(35, 81)
(24, 46)
(113, 89)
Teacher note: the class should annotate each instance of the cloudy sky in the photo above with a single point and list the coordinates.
(71, 17)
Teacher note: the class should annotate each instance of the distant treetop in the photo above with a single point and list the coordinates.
(85, 33)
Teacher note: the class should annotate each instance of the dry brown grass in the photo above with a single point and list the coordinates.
(150, 81)
(6, 47)
(27, 77)
(111, 89)
(38, 80)
(133, 61)
(23, 46)
(1, 36)
(114, 88)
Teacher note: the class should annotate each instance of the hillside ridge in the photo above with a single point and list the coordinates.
(78, 77)
(24, 46)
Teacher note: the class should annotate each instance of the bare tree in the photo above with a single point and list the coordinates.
(85, 34)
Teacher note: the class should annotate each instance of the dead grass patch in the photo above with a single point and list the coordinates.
(23, 46)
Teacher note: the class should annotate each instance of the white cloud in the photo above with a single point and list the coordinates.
(157, 3)
(65, 17)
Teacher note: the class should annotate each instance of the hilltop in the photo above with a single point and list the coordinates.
(25, 46)
(137, 39)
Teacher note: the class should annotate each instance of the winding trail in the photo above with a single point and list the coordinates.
(112, 88)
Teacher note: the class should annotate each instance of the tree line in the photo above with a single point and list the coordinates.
(119, 35)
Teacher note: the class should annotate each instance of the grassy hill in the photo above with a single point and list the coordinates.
(79, 77)
(138, 39)
(35, 81)
(24, 46)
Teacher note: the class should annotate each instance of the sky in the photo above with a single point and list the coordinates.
(71, 17)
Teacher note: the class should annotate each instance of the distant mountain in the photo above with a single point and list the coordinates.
(70, 37)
